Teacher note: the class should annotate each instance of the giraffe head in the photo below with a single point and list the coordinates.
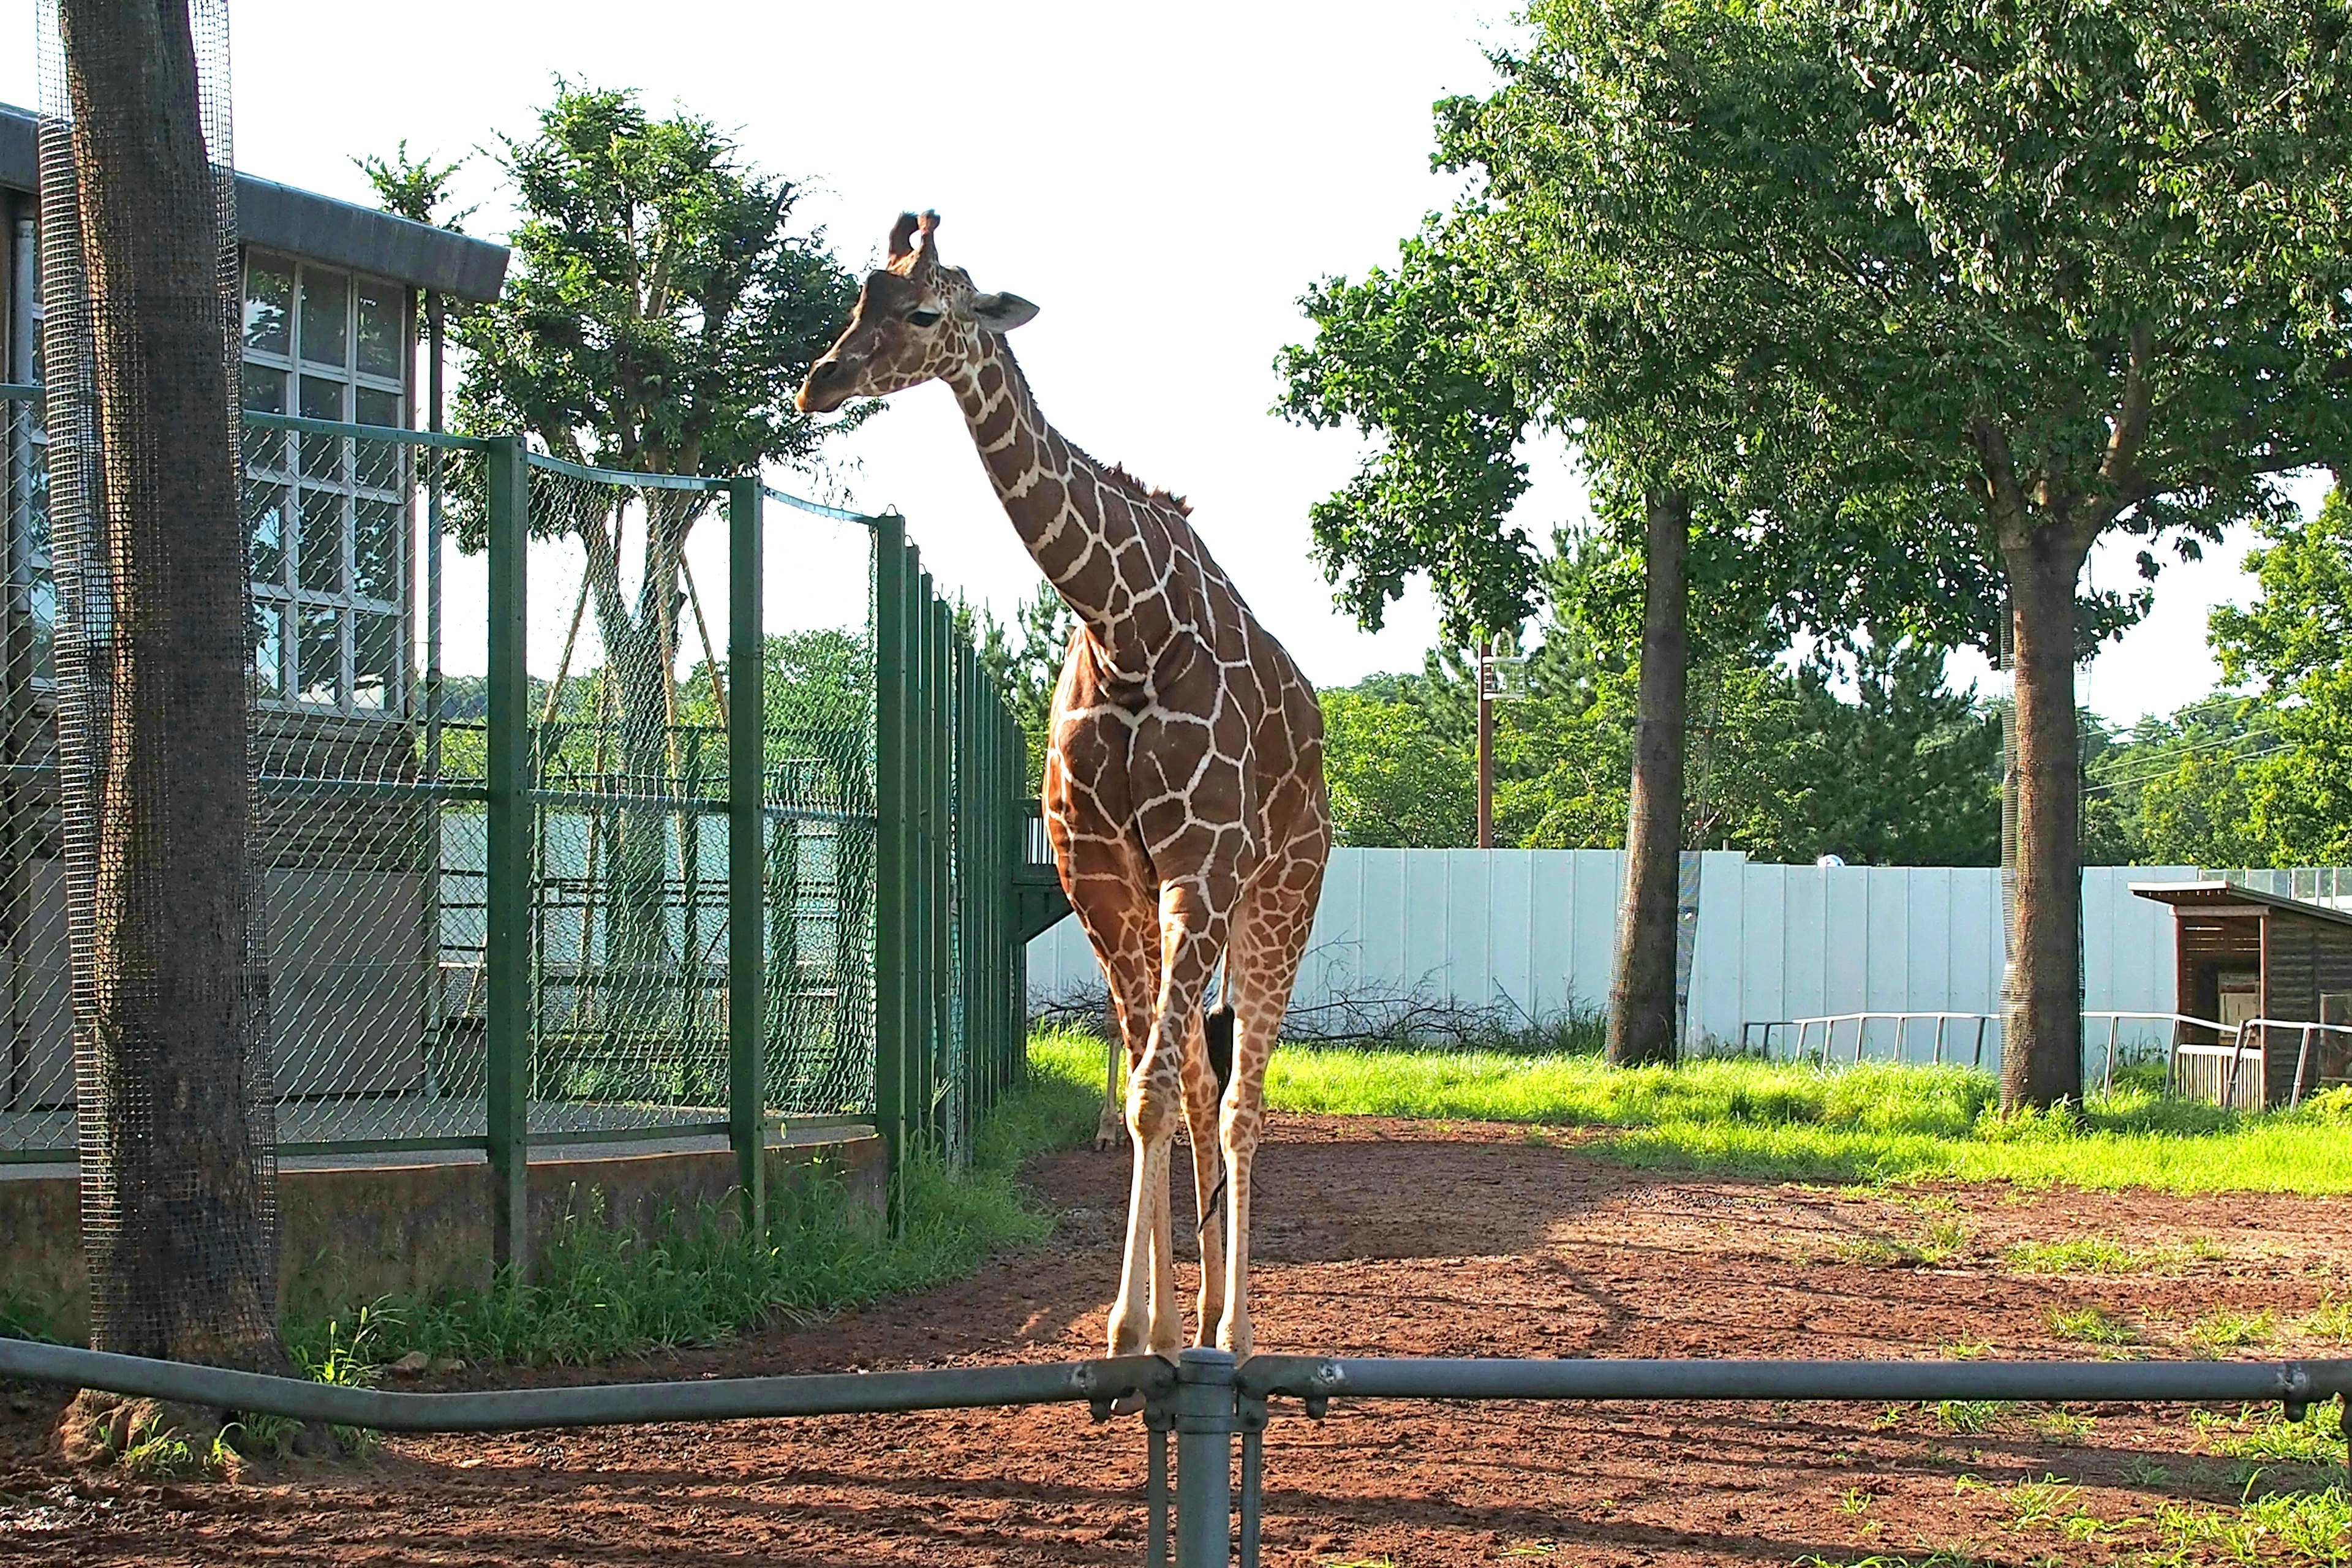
(917, 319)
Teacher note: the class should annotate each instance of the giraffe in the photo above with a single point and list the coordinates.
(1183, 791)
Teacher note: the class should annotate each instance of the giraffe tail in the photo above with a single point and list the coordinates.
(1218, 1028)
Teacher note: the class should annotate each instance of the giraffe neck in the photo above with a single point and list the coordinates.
(1095, 542)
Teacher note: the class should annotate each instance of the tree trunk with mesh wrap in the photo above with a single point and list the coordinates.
(166, 1007)
(1642, 988)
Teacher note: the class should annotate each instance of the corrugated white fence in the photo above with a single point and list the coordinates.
(1535, 930)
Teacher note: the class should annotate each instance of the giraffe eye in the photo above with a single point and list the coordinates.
(922, 318)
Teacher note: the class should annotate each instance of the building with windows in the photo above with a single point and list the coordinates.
(333, 307)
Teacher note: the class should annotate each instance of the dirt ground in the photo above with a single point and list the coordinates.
(1372, 1238)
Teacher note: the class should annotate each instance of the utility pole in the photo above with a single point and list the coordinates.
(1486, 743)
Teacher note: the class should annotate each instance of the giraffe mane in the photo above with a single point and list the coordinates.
(1117, 474)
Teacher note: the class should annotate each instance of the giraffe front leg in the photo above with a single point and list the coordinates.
(1190, 926)
(1243, 1119)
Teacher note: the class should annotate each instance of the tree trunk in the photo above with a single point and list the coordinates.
(178, 1151)
(1642, 991)
(640, 962)
(2042, 993)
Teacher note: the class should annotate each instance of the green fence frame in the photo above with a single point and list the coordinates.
(951, 839)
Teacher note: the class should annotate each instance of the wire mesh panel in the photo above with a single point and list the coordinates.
(629, 878)
(369, 823)
(817, 731)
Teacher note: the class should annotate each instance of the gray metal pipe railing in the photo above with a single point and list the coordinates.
(602, 1404)
(1316, 1378)
(1204, 1399)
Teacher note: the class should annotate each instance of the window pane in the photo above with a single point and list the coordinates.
(376, 660)
(267, 510)
(269, 293)
(377, 408)
(376, 464)
(318, 654)
(43, 602)
(326, 302)
(375, 550)
(380, 309)
(269, 650)
(323, 456)
(318, 553)
(265, 393)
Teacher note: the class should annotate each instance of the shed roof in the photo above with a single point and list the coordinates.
(2218, 895)
(315, 227)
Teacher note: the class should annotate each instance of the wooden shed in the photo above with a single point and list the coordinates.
(2244, 956)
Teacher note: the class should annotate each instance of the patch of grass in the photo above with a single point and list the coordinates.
(2332, 1320)
(2063, 1426)
(1968, 1417)
(2259, 1433)
(1943, 1240)
(1965, 1350)
(2089, 1325)
(602, 1293)
(1876, 1123)
(2224, 1329)
(2296, 1527)
(2097, 1255)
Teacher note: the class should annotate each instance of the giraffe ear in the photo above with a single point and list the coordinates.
(1002, 312)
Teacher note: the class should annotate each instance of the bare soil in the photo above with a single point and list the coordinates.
(1373, 1237)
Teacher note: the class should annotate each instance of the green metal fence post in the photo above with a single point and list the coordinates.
(747, 842)
(922, 1039)
(506, 958)
(890, 846)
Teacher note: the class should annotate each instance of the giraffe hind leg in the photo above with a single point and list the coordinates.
(1218, 1028)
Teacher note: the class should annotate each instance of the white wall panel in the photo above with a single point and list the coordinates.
(1538, 928)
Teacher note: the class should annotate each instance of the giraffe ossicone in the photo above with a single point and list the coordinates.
(1183, 791)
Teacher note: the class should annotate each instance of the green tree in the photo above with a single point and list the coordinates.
(658, 315)
(2107, 287)
(1396, 782)
(1027, 670)
(2293, 645)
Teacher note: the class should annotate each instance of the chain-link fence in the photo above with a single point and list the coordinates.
(38, 1112)
(396, 662)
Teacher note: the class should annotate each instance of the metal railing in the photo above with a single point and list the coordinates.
(1206, 1398)
(2306, 1031)
(1828, 1022)
(2183, 1075)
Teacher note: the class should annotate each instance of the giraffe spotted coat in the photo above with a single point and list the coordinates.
(1183, 789)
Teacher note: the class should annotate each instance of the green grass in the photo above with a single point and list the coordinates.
(2090, 1326)
(2225, 1330)
(2331, 1320)
(2097, 1255)
(600, 1293)
(2260, 1435)
(2295, 1527)
(1875, 1123)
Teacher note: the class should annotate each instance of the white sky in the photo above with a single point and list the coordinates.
(1163, 181)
